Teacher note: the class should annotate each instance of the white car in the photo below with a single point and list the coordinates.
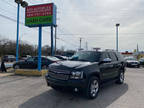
(132, 62)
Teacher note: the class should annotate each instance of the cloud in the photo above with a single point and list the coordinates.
(82, 18)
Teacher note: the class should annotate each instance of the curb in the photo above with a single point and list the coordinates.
(6, 74)
(30, 72)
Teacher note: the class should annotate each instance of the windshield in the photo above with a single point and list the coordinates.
(86, 56)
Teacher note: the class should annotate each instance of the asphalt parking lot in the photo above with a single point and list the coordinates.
(32, 92)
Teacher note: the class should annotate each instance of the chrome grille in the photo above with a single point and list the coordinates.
(60, 71)
(134, 62)
(59, 74)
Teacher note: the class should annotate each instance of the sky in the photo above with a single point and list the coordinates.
(92, 20)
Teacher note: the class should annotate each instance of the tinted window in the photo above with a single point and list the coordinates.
(120, 57)
(35, 59)
(44, 60)
(104, 55)
(11, 56)
(30, 59)
(113, 56)
(86, 56)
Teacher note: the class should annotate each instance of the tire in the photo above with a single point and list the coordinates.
(16, 67)
(92, 88)
(121, 78)
(138, 66)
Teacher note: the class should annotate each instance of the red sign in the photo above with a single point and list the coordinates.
(40, 10)
(40, 15)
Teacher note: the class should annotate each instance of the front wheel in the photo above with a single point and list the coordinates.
(121, 78)
(138, 66)
(92, 88)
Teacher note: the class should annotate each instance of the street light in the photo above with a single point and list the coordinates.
(23, 4)
(18, 1)
(117, 25)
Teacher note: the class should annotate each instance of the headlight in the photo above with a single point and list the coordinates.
(76, 75)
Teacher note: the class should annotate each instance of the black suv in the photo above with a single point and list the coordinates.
(86, 71)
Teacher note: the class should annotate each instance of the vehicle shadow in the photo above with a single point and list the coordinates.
(52, 99)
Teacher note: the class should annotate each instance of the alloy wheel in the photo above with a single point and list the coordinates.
(94, 88)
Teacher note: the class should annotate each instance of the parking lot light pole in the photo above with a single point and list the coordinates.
(52, 48)
(23, 4)
(39, 48)
(117, 42)
(17, 40)
(55, 38)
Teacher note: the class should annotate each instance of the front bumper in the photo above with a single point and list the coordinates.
(66, 83)
(132, 64)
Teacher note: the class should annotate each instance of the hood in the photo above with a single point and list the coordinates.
(70, 64)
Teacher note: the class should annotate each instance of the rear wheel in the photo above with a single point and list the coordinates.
(92, 88)
(121, 78)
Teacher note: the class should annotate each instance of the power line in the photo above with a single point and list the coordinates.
(11, 19)
(5, 11)
(31, 2)
(14, 20)
(11, 12)
(104, 34)
(8, 3)
(67, 42)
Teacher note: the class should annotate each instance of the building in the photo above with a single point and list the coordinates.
(127, 54)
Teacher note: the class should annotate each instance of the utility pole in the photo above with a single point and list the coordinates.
(137, 48)
(52, 48)
(86, 46)
(117, 42)
(80, 42)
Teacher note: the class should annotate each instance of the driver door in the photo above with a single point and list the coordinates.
(106, 69)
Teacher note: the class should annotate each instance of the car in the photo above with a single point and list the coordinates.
(141, 60)
(87, 71)
(132, 62)
(9, 58)
(61, 57)
(24, 57)
(32, 63)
